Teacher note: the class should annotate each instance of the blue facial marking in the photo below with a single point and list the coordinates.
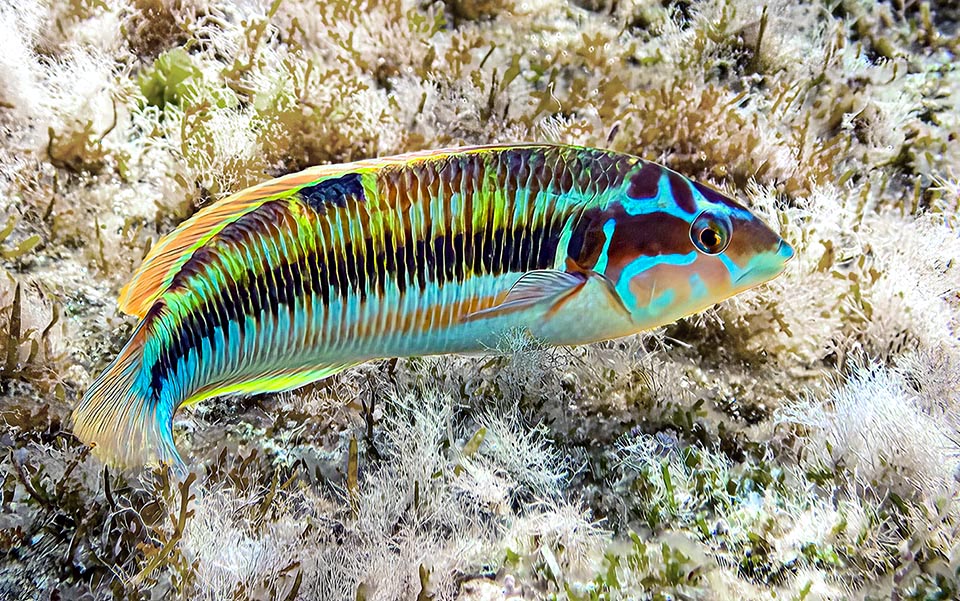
(608, 229)
(733, 213)
(642, 264)
(698, 288)
(663, 202)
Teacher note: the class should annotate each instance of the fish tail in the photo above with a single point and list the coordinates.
(122, 416)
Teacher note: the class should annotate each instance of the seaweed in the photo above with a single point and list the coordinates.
(168, 81)
(80, 148)
(22, 248)
(166, 551)
(799, 439)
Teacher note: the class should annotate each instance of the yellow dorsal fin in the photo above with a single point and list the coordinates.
(173, 250)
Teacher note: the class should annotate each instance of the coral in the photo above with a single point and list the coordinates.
(797, 441)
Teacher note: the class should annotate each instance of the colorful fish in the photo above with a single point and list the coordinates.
(440, 252)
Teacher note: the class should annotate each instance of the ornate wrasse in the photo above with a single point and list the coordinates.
(305, 275)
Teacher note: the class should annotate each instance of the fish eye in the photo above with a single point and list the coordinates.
(710, 233)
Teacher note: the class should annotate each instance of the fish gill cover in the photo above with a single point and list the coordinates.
(800, 440)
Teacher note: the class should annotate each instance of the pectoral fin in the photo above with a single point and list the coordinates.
(615, 297)
(533, 288)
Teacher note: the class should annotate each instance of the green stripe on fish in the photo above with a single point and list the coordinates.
(426, 253)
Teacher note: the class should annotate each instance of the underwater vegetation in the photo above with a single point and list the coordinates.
(799, 441)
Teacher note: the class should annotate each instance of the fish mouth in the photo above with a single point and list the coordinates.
(774, 264)
(785, 251)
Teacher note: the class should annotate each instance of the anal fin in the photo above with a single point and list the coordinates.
(271, 381)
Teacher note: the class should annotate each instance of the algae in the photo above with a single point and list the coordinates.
(798, 441)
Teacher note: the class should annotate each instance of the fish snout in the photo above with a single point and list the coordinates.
(785, 251)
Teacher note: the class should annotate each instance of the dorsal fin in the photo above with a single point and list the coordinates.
(170, 253)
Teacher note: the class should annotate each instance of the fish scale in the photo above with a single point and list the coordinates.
(300, 277)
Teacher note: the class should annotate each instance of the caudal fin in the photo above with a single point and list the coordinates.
(121, 416)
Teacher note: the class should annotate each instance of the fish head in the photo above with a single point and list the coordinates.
(674, 247)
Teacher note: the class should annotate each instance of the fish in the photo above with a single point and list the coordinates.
(302, 276)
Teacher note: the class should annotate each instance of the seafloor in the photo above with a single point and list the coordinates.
(798, 442)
